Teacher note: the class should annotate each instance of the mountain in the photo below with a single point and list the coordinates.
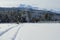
(15, 14)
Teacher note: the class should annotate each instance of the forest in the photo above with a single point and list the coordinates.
(24, 15)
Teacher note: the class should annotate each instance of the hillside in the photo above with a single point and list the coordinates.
(12, 15)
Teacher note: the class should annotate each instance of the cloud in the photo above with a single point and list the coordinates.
(48, 4)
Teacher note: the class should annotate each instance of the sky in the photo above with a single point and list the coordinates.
(45, 4)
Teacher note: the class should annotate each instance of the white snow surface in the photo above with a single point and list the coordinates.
(30, 31)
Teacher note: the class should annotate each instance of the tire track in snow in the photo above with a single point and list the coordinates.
(7, 30)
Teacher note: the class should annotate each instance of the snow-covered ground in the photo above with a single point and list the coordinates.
(30, 31)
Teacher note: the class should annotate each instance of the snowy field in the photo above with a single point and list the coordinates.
(30, 31)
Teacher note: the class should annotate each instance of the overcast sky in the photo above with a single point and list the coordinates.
(48, 4)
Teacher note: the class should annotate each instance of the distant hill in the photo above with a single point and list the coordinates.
(27, 14)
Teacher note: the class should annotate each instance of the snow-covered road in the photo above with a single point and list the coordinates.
(30, 31)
